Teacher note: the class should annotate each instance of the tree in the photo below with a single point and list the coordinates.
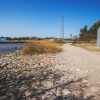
(91, 33)
(93, 30)
(84, 33)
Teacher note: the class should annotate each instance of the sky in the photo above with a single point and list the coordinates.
(42, 18)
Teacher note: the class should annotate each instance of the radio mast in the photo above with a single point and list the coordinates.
(62, 26)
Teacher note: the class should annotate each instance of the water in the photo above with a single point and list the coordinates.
(10, 47)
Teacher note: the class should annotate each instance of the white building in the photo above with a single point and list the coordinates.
(2, 39)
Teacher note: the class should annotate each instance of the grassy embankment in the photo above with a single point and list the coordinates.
(35, 46)
(87, 46)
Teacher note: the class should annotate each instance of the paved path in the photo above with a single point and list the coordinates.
(85, 62)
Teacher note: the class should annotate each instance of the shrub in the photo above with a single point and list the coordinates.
(40, 47)
(59, 41)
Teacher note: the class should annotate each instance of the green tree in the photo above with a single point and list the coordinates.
(84, 33)
(93, 30)
(91, 33)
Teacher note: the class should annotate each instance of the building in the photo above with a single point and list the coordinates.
(2, 39)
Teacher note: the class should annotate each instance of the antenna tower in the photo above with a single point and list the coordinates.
(62, 26)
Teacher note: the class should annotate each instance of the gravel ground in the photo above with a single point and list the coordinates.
(87, 62)
(72, 74)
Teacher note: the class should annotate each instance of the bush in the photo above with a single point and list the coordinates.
(40, 47)
(59, 41)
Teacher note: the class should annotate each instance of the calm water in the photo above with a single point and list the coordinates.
(10, 47)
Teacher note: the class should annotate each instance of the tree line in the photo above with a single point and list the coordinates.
(27, 38)
(88, 34)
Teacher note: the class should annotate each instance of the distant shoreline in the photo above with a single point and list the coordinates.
(12, 42)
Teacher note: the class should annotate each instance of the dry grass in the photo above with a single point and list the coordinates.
(34, 47)
(87, 46)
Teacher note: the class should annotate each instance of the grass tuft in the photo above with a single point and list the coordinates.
(87, 46)
(34, 47)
